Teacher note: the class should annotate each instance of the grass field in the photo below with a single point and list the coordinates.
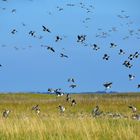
(76, 123)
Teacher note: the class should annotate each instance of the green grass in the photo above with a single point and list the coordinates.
(76, 123)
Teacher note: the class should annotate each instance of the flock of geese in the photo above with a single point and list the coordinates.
(96, 112)
(82, 40)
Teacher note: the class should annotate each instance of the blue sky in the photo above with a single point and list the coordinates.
(37, 69)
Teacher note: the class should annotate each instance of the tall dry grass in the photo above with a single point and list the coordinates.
(76, 123)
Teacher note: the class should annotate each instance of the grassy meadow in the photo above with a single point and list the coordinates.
(76, 123)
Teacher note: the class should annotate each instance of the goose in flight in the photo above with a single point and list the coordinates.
(112, 45)
(58, 38)
(13, 11)
(73, 85)
(71, 80)
(95, 47)
(46, 29)
(14, 31)
(127, 64)
(32, 33)
(121, 52)
(131, 77)
(81, 38)
(50, 48)
(107, 85)
(106, 57)
(136, 55)
(63, 55)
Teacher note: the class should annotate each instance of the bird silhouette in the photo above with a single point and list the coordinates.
(107, 85)
(63, 55)
(14, 31)
(46, 29)
(50, 48)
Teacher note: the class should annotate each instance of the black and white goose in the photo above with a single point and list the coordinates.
(127, 64)
(136, 55)
(81, 38)
(14, 31)
(6, 113)
(95, 47)
(106, 57)
(107, 85)
(68, 97)
(62, 109)
(36, 108)
(59, 92)
(73, 102)
(131, 77)
(134, 109)
(112, 45)
(58, 38)
(121, 52)
(130, 57)
(51, 90)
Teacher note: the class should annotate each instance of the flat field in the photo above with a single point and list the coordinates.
(76, 123)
